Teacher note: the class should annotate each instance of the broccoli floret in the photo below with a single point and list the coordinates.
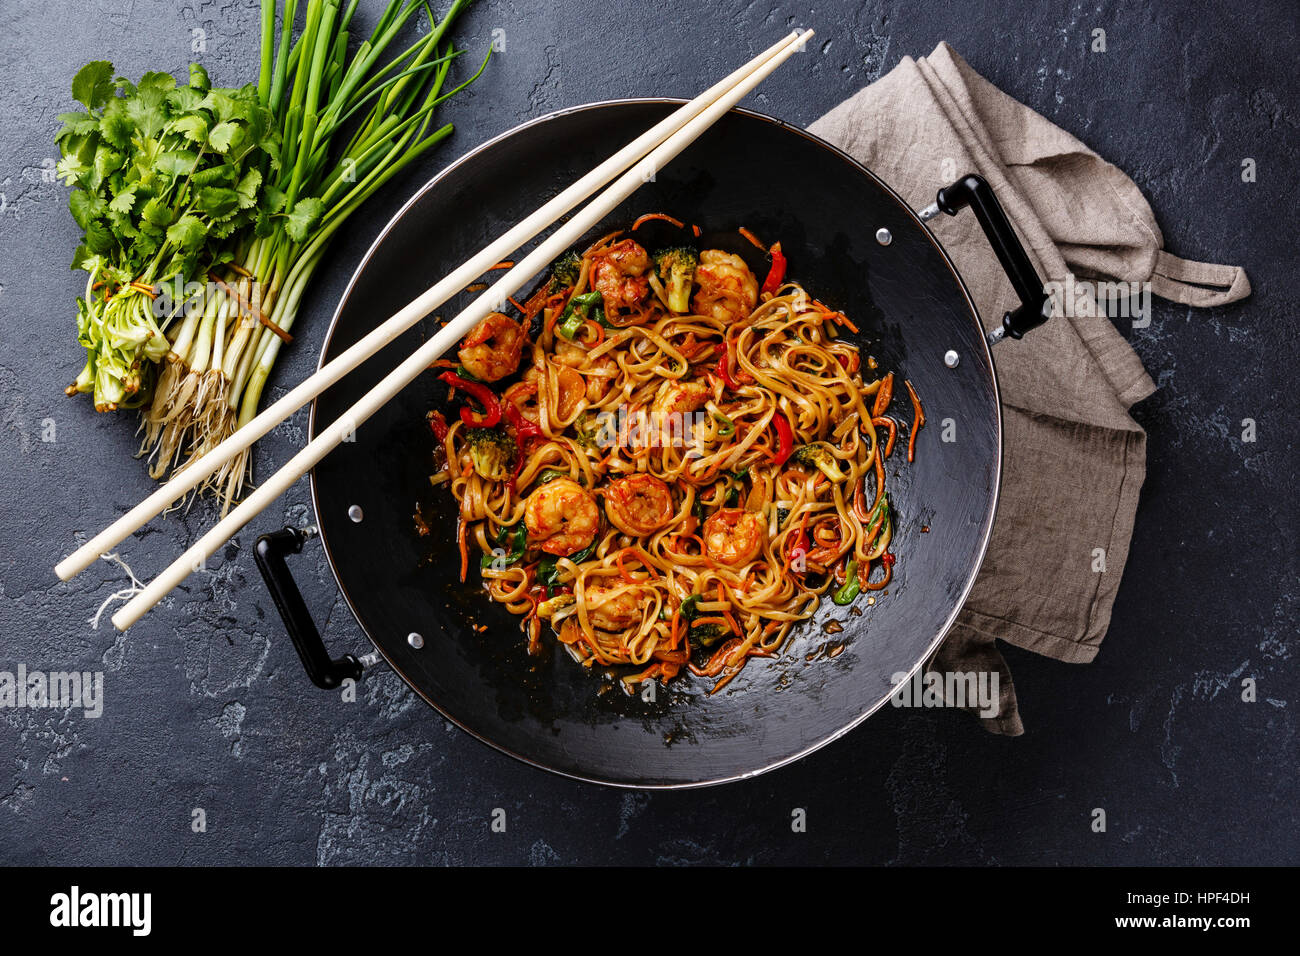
(492, 451)
(706, 635)
(818, 454)
(676, 269)
(564, 273)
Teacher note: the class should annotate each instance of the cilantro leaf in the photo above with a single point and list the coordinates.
(176, 163)
(302, 218)
(199, 78)
(123, 201)
(188, 232)
(217, 201)
(193, 127)
(85, 208)
(157, 212)
(222, 135)
(247, 188)
(93, 84)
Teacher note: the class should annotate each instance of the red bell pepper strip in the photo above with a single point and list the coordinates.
(785, 439)
(733, 380)
(482, 394)
(724, 370)
(800, 545)
(524, 429)
(775, 275)
(439, 425)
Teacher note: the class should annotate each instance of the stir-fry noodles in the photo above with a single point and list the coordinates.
(668, 462)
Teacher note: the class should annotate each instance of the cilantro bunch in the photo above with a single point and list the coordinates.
(162, 175)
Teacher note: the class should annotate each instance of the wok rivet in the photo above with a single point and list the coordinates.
(356, 514)
(884, 236)
(951, 358)
(415, 640)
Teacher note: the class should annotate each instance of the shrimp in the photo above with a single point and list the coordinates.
(492, 351)
(615, 608)
(561, 517)
(680, 398)
(598, 373)
(728, 290)
(733, 536)
(618, 274)
(638, 505)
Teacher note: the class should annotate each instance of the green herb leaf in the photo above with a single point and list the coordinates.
(222, 135)
(199, 78)
(85, 208)
(123, 201)
(157, 212)
(247, 188)
(217, 201)
(177, 163)
(93, 84)
(302, 218)
(187, 232)
(193, 127)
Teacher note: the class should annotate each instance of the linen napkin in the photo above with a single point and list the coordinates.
(1074, 459)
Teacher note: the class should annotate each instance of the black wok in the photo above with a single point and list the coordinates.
(899, 287)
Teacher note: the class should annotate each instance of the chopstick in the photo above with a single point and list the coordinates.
(470, 271)
(410, 368)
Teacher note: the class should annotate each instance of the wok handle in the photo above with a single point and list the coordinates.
(324, 671)
(1034, 309)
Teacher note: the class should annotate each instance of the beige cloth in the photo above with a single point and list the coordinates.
(1074, 459)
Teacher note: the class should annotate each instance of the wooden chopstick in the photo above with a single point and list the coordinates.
(533, 263)
(196, 471)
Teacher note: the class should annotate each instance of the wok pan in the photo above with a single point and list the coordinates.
(855, 245)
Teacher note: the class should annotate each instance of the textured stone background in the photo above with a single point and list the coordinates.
(207, 705)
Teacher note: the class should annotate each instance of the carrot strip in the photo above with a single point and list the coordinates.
(883, 396)
(662, 217)
(919, 421)
(893, 432)
(752, 238)
(626, 575)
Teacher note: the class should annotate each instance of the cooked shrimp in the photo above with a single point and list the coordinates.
(728, 290)
(680, 398)
(638, 505)
(562, 517)
(492, 351)
(599, 373)
(618, 273)
(615, 608)
(733, 536)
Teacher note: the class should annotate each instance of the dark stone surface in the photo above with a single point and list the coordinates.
(207, 705)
